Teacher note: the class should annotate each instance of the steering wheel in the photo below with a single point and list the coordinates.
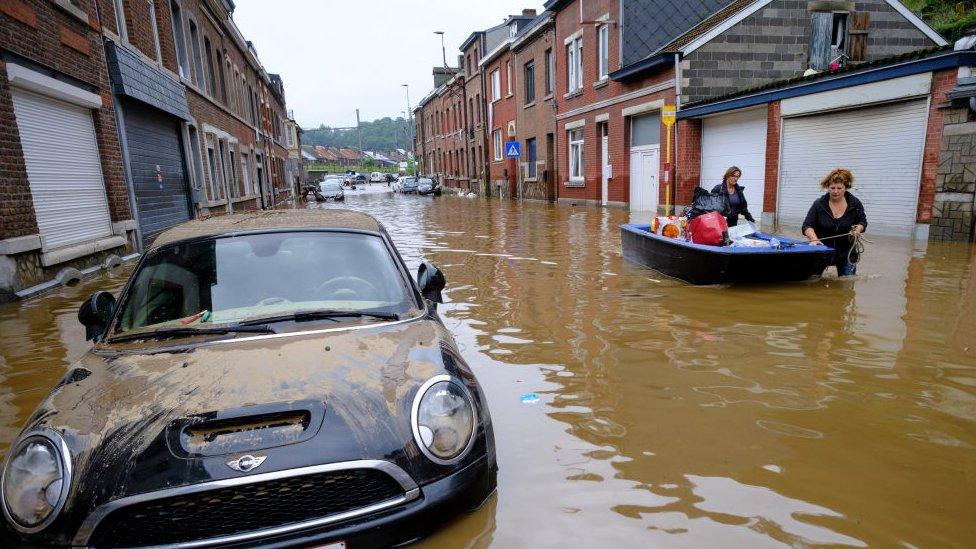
(271, 301)
(346, 287)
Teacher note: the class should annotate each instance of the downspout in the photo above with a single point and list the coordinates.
(484, 130)
(677, 107)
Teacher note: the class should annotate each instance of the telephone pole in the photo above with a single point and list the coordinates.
(359, 130)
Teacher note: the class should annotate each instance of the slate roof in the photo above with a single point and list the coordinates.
(649, 25)
(705, 26)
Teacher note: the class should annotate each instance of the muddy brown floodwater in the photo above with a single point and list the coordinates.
(832, 412)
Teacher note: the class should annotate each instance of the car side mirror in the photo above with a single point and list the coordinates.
(95, 313)
(431, 281)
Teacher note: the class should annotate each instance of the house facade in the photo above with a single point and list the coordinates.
(535, 109)
(57, 109)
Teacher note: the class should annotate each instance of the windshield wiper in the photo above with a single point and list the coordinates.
(304, 316)
(161, 333)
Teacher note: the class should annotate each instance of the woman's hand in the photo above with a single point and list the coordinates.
(816, 243)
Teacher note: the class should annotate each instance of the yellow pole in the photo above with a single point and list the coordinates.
(667, 187)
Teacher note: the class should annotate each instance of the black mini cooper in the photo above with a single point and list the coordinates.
(269, 379)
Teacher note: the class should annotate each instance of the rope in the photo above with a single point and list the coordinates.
(857, 248)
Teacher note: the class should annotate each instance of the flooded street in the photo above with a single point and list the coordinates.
(832, 412)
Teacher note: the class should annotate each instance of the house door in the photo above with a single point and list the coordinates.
(550, 172)
(644, 183)
(604, 164)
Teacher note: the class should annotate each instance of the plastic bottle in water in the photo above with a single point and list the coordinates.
(774, 243)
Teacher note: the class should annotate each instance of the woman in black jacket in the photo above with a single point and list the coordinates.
(733, 192)
(837, 213)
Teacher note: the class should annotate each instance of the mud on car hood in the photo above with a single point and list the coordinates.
(140, 422)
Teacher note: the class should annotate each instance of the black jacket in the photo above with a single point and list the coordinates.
(822, 221)
(733, 218)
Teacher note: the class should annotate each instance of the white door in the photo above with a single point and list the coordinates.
(644, 184)
(604, 169)
(881, 145)
(63, 169)
(737, 139)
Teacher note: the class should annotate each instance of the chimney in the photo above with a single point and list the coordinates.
(528, 13)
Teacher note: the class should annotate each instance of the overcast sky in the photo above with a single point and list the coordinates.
(336, 56)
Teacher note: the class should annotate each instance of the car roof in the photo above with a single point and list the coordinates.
(268, 219)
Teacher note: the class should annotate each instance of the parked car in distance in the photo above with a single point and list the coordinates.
(355, 179)
(331, 189)
(390, 178)
(266, 378)
(408, 185)
(426, 185)
(377, 177)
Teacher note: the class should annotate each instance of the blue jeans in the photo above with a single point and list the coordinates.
(845, 267)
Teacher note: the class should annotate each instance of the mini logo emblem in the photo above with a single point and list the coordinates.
(246, 463)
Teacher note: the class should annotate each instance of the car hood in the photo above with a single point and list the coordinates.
(122, 414)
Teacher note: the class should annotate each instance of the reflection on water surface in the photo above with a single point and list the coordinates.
(827, 412)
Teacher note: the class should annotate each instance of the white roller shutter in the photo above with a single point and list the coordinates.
(881, 145)
(61, 154)
(737, 139)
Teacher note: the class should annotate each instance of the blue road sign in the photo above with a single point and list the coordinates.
(513, 149)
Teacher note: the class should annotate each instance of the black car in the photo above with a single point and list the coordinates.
(356, 179)
(269, 379)
(428, 186)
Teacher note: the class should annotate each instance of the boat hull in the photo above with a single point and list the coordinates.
(700, 264)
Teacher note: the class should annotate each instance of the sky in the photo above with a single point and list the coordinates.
(336, 56)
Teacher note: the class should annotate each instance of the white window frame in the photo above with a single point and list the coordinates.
(576, 143)
(155, 31)
(246, 171)
(179, 37)
(574, 64)
(197, 75)
(496, 85)
(120, 20)
(508, 77)
(550, 72)
(213, 166)
(496, 141)
(603, 51)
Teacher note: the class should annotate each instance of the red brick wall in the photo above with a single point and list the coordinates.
(46, 34)
(537, 119)
(689, 160)
(567, 24)
(503, 112)
(772, 157)
(942, 82)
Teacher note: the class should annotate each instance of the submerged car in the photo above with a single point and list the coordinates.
(426, 185)
(409, 185)
(331, 189)
(274, 378)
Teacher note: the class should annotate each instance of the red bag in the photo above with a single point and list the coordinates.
(710, 228)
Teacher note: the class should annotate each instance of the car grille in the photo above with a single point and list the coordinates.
(247, 508)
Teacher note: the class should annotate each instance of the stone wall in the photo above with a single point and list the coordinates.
(955, 183)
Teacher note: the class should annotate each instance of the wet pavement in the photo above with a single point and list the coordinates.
(831, 412)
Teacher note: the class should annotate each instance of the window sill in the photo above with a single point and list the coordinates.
(601, 83)
(547, 97)
(528, 105)
(213, 203)
(72, 10)
(244, 198)
(575, 183)
(572, 94)
(531, 180)
(508, 96)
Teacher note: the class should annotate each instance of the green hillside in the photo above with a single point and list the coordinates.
(379, 135)
(948, 18)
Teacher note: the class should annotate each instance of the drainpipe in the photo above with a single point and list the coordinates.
(677, 107)
(129, 187)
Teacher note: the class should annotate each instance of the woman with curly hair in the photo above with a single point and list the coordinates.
(837, 213)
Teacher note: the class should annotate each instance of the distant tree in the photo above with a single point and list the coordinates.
(384, 134)
(950, 18)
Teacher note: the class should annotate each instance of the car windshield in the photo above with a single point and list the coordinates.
(330, 185)
(228, 280)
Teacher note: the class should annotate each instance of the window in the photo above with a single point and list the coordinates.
(246, 174)
(179, 38)
(574, 65)
(550, 84)
(530, 82)
(155, 31)
(496, 85)
(195, 155)
(197, 67)
(212, 80)
(233, 174)
(576, 154)
(603, 50)
(213, 177)
(120, 20)
(508, 76)
(530, 156)
(497, 143)
(645, 130)
(222, 160)
(223, 81)
(839, 31)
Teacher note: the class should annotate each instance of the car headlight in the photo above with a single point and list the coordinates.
(36, 480)
(443, 420)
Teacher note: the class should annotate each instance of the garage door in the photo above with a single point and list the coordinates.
(158, 170)
(737, 139)
(882, 146)
(63, 169)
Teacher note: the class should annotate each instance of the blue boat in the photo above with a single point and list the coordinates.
(792, 260)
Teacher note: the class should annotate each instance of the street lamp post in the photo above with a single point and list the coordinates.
(443, 49)
(413, 145)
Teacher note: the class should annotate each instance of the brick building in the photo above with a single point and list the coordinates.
(535, 108)
(57, 110)
(500, 96)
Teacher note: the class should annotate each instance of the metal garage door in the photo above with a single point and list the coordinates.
(881, 145)
(63, 169)
(737, 139)
(158, 169)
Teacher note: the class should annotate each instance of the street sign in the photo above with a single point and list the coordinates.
(513, 149)
(667, 115)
